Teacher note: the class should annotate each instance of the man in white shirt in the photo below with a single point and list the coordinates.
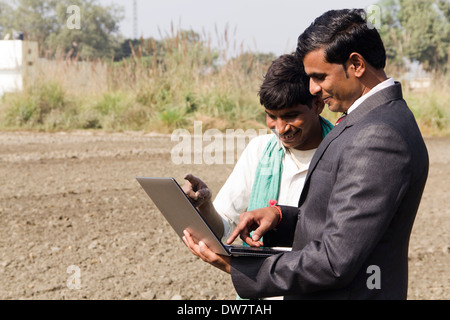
(294, 116)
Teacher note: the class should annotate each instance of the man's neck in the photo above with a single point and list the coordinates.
(374, 90)
(372, 78)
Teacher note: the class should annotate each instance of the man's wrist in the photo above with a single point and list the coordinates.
(206, 207)
(273, 204)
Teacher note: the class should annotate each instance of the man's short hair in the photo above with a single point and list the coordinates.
(340, 33)
(285, 85)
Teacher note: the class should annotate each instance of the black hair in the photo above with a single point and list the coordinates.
(340, 33)
(285, 85)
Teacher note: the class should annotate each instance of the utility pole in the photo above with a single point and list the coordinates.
(135, 19)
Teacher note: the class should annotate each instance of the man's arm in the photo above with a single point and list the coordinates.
(283, 234)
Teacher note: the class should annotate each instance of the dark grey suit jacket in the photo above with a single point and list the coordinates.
(356, 210)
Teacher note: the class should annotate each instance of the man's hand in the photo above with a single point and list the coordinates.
(203, 252)
(200, 196)
(197, 191)
(259, 220)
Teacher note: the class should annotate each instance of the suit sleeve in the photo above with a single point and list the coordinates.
(283, 235)
(371, 179)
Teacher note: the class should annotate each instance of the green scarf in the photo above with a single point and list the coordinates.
(268, 173)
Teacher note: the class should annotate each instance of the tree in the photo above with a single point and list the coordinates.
(427, 30)
(418, 30)
(5, 13)
(45, 21)
(34, 17)
(98, 32)
(391, 32)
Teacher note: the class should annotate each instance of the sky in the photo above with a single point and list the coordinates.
(256, 25)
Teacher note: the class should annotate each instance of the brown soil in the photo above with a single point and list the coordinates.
(71, 199)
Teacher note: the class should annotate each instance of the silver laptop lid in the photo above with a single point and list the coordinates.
(170, 199)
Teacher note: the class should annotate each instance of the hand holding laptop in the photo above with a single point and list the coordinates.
(262, 220)
(181, 214)
(197, 191)
(200, 196)
(202, 251)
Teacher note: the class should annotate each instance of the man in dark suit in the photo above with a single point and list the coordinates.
(350, 234)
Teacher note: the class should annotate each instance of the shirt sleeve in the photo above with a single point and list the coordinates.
(234, 196)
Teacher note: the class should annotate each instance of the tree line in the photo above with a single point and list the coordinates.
(413, 30)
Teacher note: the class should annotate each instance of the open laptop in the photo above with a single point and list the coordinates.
(181, 214)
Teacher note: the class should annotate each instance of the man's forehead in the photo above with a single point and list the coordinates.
(295, 108)
(314, 61)
(317, 66)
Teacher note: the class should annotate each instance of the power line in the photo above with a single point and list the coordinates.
(135, 19)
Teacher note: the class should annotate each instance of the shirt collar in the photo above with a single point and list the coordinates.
(383, 85)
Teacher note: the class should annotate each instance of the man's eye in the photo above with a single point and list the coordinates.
(320, 78)
(291, 116)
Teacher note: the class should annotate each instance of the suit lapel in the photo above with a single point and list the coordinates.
(380, 98)
(324, 145)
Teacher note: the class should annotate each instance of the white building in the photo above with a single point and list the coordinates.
(16, 58)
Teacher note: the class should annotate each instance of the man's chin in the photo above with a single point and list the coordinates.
(290, 145)
(332, 108)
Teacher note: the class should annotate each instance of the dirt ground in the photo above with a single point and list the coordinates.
(75, 224)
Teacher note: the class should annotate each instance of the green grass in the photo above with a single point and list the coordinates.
(431, 109)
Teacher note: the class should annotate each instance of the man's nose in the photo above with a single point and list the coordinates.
(281, 126)
(314, 88)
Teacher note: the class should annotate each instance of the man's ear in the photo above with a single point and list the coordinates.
(318, 105)
(357, 64)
